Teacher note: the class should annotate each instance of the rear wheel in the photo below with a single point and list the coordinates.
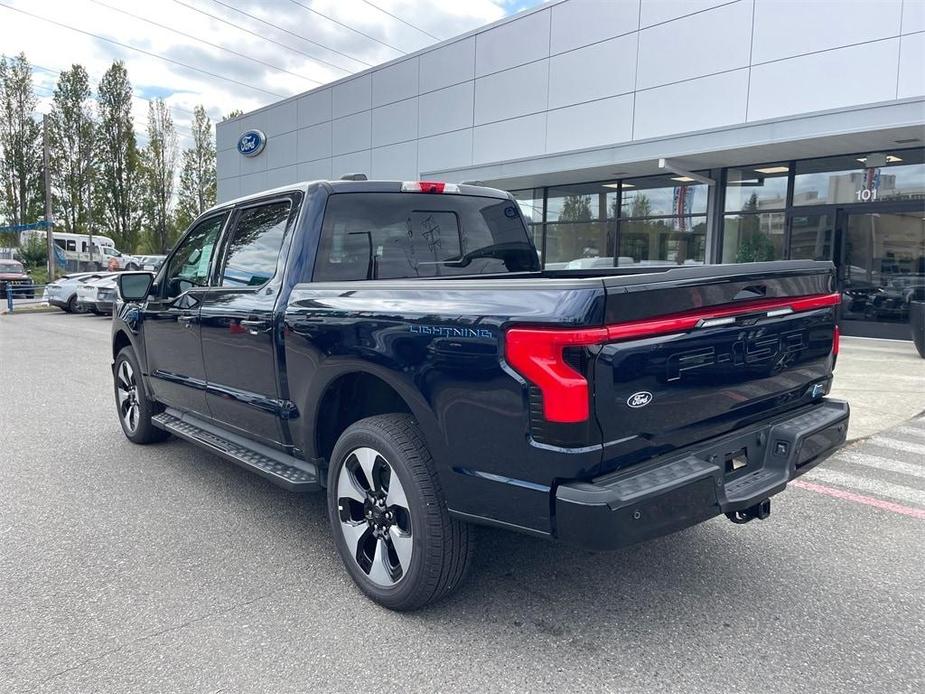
(71, 305)
(390, 521)
(132, 404)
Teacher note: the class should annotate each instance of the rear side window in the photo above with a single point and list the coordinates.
(399, 235)
(252, 253)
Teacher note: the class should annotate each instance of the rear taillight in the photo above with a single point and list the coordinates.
(538, 356)
(429, 187)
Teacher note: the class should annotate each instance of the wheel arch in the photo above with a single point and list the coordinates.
(356, 393)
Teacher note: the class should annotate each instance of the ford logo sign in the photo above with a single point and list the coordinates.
(251, 143)
(640, 399)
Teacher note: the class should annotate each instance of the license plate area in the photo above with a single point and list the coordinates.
(736, 461)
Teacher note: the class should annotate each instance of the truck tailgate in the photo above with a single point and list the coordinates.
(694, 355)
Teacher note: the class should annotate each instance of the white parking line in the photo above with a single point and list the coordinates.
(898, 445)
(910, 431)
(887, 489)
(878, 463)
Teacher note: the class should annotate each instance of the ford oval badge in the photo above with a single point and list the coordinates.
(251, 143)
(640, 399)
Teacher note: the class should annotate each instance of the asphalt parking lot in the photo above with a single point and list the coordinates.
(164, 568)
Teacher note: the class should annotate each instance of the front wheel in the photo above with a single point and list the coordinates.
(132, 404)
(390, 521)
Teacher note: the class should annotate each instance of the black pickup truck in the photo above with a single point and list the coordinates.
(400, 346)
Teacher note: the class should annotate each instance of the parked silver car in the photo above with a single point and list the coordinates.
(63, 291)
(97, 295)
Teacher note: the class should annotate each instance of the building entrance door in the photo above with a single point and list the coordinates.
(879, 251)
(881, 259)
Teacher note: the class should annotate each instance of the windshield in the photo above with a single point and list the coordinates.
(398, 235)
(10, 266)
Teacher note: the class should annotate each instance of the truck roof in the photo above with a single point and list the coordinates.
(341, 186)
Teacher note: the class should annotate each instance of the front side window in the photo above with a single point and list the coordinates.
(399, 235)
(253, 251)
(189, 265)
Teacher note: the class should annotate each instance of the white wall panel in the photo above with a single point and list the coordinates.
(912, 66)
(603, 122)
(315, 142)
(350, 97)
(358, 162)
(707, 102)
(515, 43)
(351, 133)
(446, 109)
(282, 176)
(823, 81)
(282, 150)
(395, 82)
(253, 183)
(447, 151)
(694, 46)
(228, 162)
(580, 22)
(228, 189)
(448, 65)
(315, 170)
(396, 162)
(913, 16)
(226, 135)
(249, 165)
(511, 93)
(315, 107)
(786, 29)
(395, 123)
(281, 118)
(593, 72)
(658, 11)
(509, 139)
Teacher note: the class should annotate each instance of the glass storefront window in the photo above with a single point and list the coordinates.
(662, 196)
(752, 238)
(571, 245)
(530, 202)
(811, 236)
(757, 188)
(582, 202)
(659, 242)
(860, 178)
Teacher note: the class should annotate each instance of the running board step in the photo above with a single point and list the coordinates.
(281, 469)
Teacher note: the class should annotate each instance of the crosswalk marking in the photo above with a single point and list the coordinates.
(910, 431)
(878, 463)
(871, 486)
(898, 445)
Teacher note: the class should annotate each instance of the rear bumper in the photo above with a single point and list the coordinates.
(675, 492)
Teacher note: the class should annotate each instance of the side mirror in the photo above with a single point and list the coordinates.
(134, 286)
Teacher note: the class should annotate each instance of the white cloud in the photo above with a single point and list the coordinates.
(55, 47)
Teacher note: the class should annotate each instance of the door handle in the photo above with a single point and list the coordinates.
(255, 327)
(186, 320)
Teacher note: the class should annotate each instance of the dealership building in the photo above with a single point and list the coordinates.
(650, 132)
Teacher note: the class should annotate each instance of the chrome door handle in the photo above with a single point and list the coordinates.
(186, 320)
(255, 327)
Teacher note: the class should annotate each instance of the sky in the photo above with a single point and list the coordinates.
(234, 69)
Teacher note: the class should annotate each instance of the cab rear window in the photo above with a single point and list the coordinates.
(403, 235)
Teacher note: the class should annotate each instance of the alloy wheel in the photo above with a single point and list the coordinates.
(127, 390)
(374, 516)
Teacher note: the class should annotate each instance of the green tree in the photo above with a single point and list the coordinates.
(576, 208)
(754, 245)
(119, 161)
(197, 176)
(232, 114)
(73, 135)
(21, 166)
(160, 164)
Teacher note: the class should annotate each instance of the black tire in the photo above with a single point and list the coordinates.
(131, 267)
(144, 430)
(441, 545)
(71, 305)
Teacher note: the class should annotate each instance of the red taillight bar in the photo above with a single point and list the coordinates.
(536, 353)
